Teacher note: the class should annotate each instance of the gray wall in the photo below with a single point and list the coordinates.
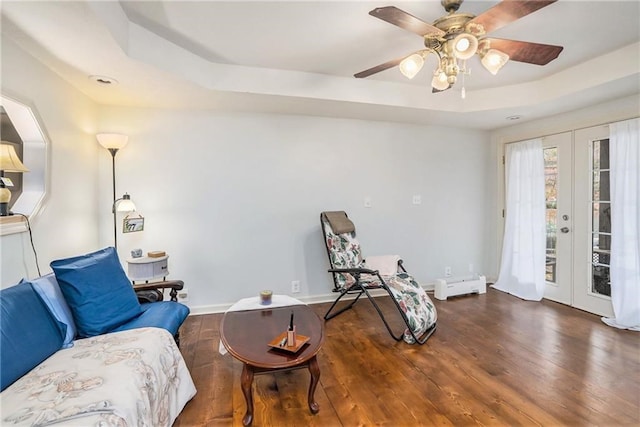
(68, 224)
(235, 198)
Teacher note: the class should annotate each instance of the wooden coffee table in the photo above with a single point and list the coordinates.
(247, 334)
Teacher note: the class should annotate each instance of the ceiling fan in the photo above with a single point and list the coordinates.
(456, 37)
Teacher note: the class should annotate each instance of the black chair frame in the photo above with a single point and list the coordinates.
(156, 290)
(363, 289)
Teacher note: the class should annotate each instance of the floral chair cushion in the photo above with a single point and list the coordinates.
(414, 302)
(345, 252)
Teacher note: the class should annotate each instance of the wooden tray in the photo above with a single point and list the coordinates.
(300, 341)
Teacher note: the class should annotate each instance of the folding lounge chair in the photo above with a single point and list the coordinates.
(352, 274)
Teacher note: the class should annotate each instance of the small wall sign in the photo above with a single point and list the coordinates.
(133, 224)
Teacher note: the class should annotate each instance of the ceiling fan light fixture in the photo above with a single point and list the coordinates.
(456, 37)
(465, 46)
(439, 80)
(411, 65)
(494, 60)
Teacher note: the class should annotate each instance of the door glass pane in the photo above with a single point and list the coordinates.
(601, 219)
(551, 196)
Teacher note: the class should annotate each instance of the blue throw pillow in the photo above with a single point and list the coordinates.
(29, 332)
(97, 290)
(48, 289)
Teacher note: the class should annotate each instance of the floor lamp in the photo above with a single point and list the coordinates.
(114, 142)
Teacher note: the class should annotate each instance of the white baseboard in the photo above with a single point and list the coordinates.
(309, 299)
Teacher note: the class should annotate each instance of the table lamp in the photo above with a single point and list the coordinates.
(9, 162)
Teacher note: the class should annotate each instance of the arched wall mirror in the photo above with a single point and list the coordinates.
(23, 132)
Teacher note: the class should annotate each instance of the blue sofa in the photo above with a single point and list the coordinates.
(79, 350)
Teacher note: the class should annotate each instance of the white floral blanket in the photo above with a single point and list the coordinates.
(130, 378)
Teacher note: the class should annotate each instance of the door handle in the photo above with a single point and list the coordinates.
(564, 229)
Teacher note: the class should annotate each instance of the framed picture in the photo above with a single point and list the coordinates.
(131, 225)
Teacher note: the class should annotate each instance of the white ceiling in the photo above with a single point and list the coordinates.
(300, 56)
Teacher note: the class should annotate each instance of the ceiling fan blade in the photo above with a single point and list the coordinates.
(531, 53)
(504, 13)
(378, 68)
(404, 20)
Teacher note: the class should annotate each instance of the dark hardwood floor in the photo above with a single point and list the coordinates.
(494, 360)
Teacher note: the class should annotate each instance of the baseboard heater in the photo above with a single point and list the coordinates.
(445, 289)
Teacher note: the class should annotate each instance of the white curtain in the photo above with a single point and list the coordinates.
(523, 250)
(624, 163)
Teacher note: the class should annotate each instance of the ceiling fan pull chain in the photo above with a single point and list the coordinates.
(463, 93)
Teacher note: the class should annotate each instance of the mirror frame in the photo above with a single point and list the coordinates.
(36, 157)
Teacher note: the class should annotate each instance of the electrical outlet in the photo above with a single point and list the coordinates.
(183, 295)
(417, 200)
(367, 202)
(447, 272)
(295, 286)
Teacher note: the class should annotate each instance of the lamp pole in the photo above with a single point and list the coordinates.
(113, 152)
(113, 142)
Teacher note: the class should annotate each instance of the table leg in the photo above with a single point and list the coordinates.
(246, 381)
(314, 369)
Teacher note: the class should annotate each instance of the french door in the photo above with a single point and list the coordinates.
(592, 240)
(578, 219)
(558, 174)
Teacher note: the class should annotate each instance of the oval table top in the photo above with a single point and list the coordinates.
(247, 334)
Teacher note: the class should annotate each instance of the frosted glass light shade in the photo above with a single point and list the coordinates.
(9, 160)
(494, 60)
(112, 140)
(439, 80)
(411, 65)
(125, 204)
(465, 46)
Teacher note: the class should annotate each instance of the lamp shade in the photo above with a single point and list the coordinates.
(411, 65)
(439, 81)
(465, 46)
(124, 204)
(9, 160)
(112, 140)
(493, 60)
